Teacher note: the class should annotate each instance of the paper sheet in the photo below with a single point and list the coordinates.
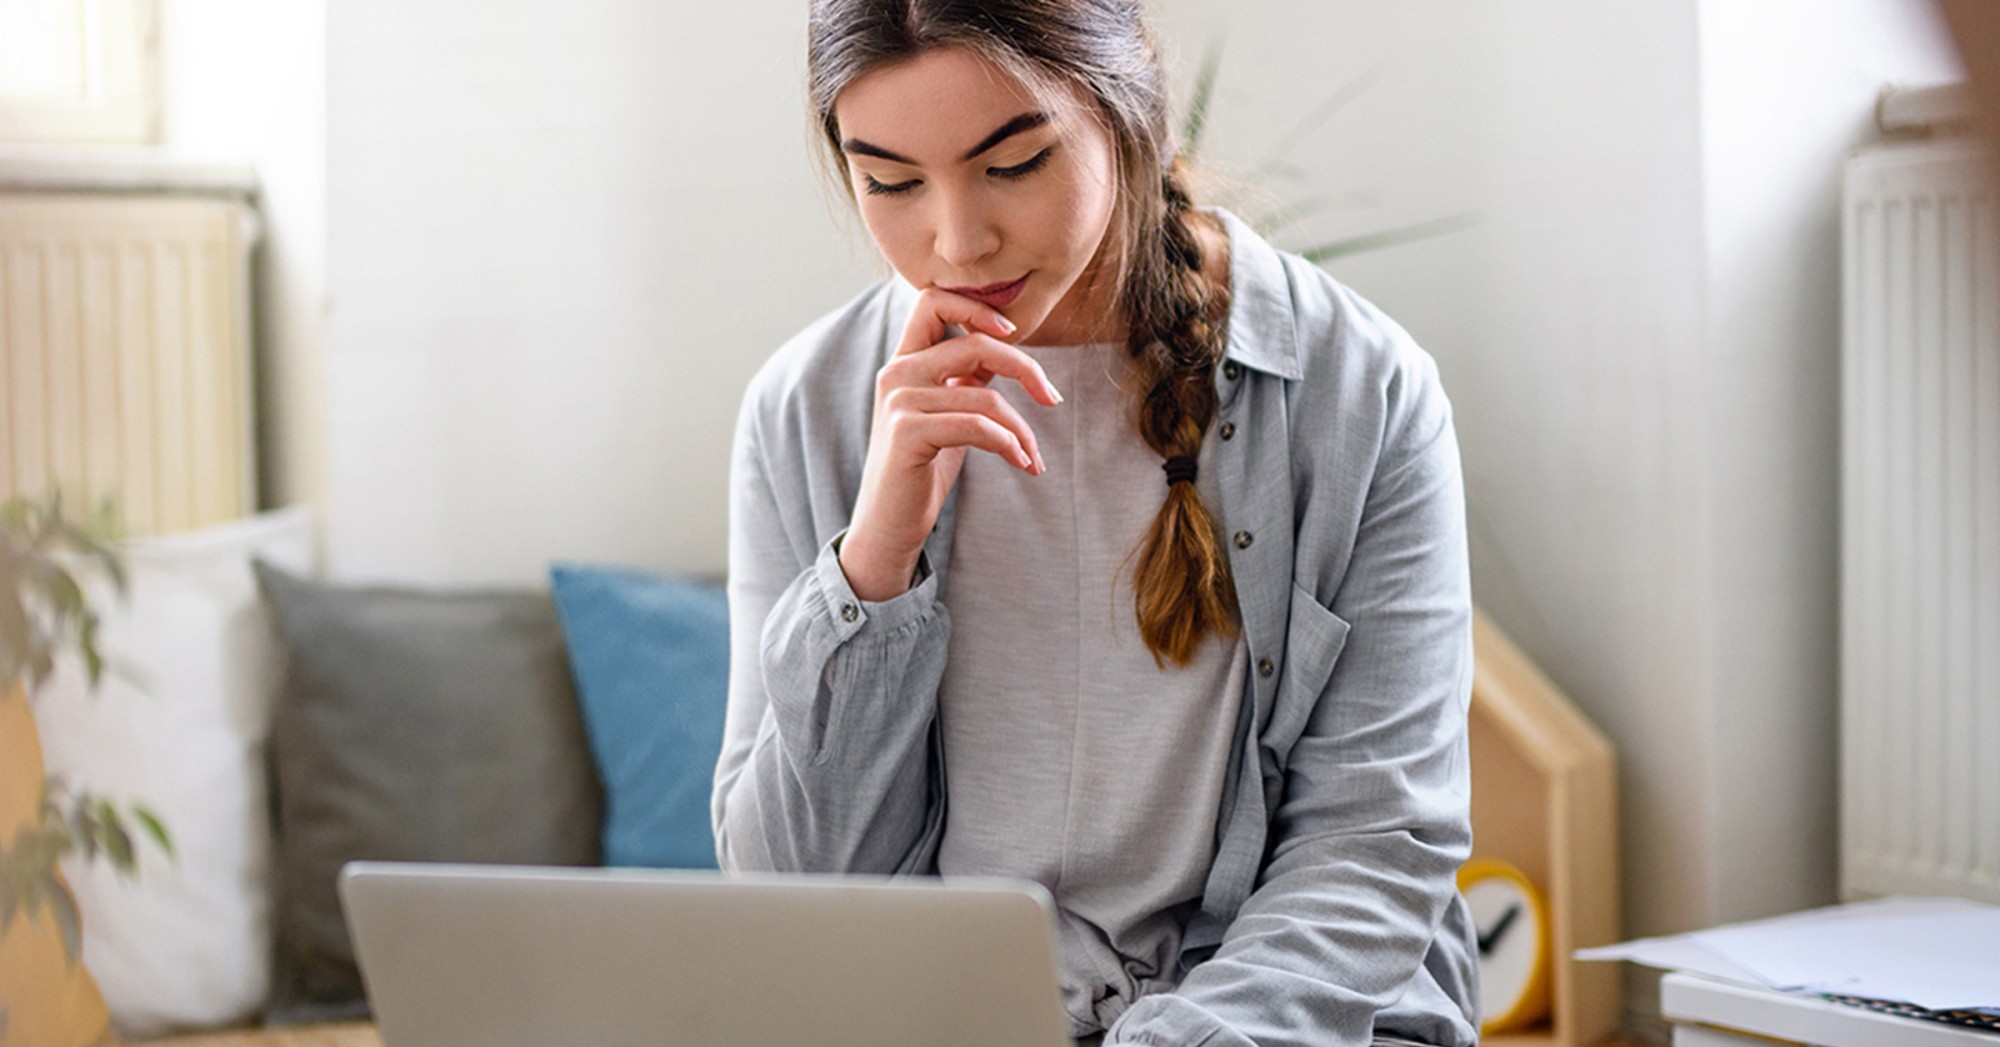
(1938, 953)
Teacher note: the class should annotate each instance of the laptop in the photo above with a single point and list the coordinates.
(520, 956)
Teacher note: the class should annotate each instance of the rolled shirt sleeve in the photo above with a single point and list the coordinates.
(830, 760)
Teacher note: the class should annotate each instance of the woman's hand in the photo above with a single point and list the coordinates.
(932, 403)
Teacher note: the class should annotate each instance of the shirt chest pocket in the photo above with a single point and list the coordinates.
(1313, 643)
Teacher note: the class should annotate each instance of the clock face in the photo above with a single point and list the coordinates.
(1510, 945)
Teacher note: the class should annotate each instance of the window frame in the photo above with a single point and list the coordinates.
(121, 103)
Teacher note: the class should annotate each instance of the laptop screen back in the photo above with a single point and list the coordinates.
(497, 956)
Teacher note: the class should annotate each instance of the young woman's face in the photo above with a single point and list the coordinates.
(967, 184)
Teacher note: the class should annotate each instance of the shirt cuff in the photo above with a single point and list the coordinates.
(1168, 1018)
(851, 614)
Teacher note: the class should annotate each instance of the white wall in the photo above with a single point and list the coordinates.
(1788, 89)
(245, 81)
(560, 240)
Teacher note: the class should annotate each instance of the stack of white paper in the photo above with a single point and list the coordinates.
(1938, 953)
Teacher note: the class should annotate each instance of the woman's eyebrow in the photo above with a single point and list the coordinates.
(1024, 122)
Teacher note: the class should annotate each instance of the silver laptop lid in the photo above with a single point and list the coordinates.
(511, 956)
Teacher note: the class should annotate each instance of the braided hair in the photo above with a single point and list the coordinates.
(1174, 313)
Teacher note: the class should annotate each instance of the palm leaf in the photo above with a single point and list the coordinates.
(1320, 114)
(1385, 238)
(1271, 223)
(1204, 91)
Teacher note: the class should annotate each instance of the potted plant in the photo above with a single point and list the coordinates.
(44, 611)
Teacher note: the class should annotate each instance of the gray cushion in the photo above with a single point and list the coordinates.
(413, 726)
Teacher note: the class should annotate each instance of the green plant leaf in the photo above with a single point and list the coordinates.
(44, 608)
(93, 658)
(117, 841)
(1385, 238)
(48, 804)
(150, 821)
(10, 899)
(87, 829)
(18, 515)
(22, 877)
(106, 523)
(1198, 101)
(68, 922)
(28, 882)
(92, 541)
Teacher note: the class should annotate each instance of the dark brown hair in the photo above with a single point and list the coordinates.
(1174, 314)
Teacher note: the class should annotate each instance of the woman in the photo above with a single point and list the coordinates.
(1220, 712)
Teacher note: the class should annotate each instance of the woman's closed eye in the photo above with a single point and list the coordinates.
(876, 188)
(1027, 167)
(1023, 170)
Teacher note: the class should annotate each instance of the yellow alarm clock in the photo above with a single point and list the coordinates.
(1512, 924)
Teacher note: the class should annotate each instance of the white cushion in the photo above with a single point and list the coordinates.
(179, 724)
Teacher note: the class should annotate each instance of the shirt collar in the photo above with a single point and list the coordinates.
(1261, 332)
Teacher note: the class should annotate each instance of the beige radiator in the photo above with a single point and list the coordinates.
(125, 354)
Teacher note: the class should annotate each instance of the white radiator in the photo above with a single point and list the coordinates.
(1920, 524)
(125, 355)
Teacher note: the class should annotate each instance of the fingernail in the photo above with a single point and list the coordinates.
(1057, 392)
(1040, 466)
(1005, 324)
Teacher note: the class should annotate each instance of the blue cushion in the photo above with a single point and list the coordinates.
(650, 656)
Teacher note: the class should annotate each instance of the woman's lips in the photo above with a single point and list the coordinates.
(999, 296)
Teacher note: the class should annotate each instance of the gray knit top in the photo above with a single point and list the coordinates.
(1072, 758)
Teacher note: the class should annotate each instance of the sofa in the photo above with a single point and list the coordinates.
(281, 726)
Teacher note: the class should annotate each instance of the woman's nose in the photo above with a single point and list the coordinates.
(966, 233)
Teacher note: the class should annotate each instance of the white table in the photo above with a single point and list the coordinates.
(1711, 1013)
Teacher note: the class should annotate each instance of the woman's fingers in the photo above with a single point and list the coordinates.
(930, 329)
(972, 399)
(937, 310)
(937, 432)
(977, 357)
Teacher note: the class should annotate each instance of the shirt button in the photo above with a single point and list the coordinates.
(1231, 371)
(1265, 667)
(1243, 539)
(1228, 430)
(849, 612)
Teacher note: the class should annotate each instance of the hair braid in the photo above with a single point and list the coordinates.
(1182, 588)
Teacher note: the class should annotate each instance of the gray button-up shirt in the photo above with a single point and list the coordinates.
(1330, 911)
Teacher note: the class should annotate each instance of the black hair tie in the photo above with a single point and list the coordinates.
(1180, 469)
